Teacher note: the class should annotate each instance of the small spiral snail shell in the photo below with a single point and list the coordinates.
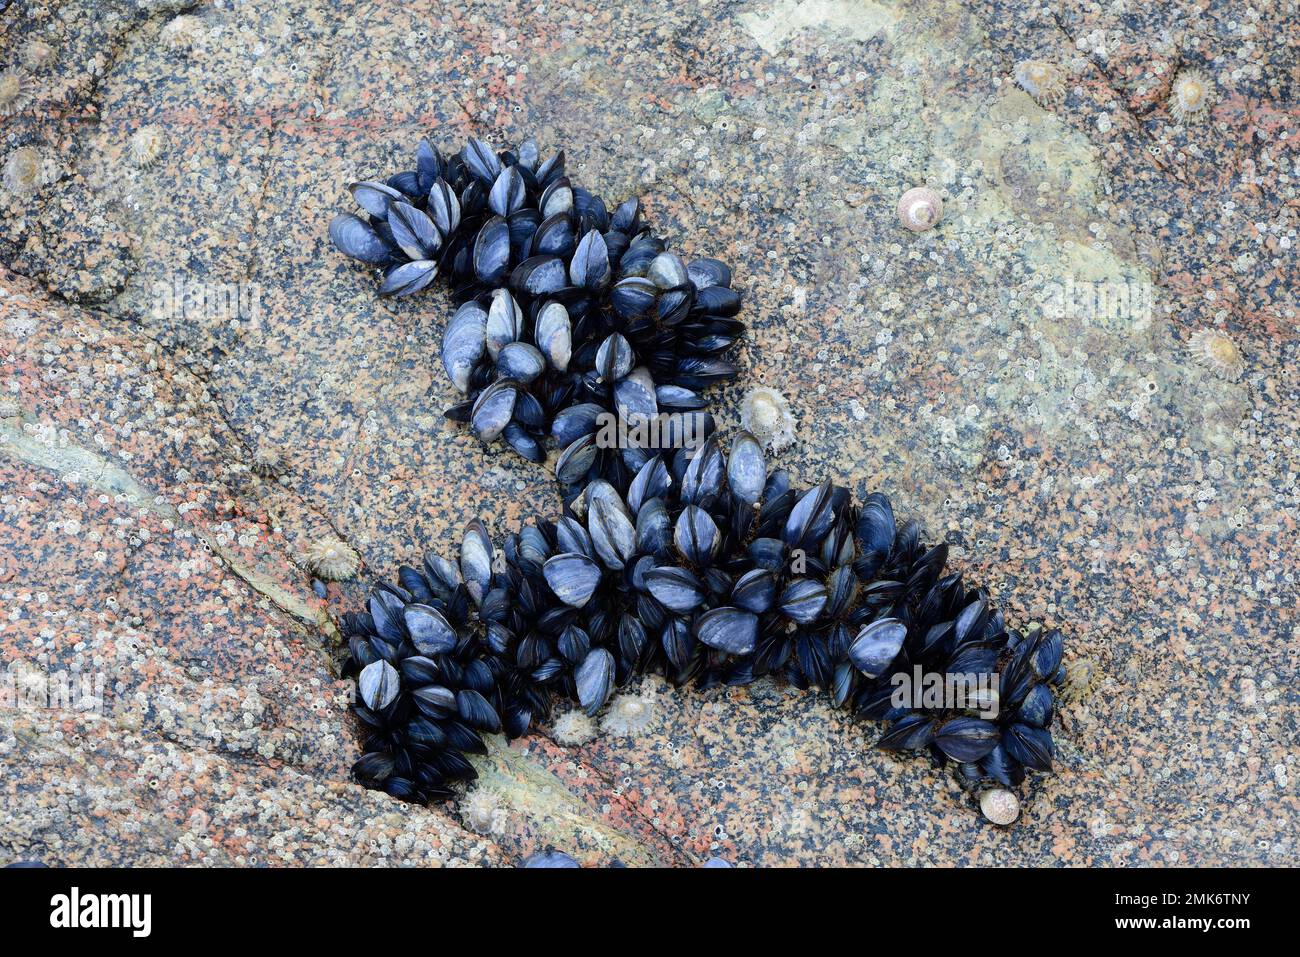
(920, 209)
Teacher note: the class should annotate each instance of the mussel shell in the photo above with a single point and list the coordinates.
(476, 559)
(476, 711)
(633, 297)
(589, 267)
(908, 733)
(555, 236)
(519, 439)
(508, 192)
(1031, 746)
(482, 163)
(704, 273)
(557, 197)
(877, 645)
(627, 217)
(408, 278)
(614, 358)
(413, 231)
(966, 739)
(504, 323)
(356, 238)
(732, 630)
(612, 534)
(463, 343)
(696, 536)
(652, 480)
(520, 361)
(717, 301)
(1046, 658)
(594, 679)
(667, 271)
(653, 528)
(1037, 707)
(443, 207)
(746, 469)
(430, 632)
(755, 590)
(571, 536)
(675, 588)
(574, 423)
(810, 519)
(492, 251)
(378, 684)
(493, 409)
(576, 460)
(374, 767)
(374, 198)
(634, 397)
(554, 335)
(802, 600)
(540, 276)
(676, 398)
(572, 577)
(429, 165)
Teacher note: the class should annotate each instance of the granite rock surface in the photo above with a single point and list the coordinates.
(1084, 378)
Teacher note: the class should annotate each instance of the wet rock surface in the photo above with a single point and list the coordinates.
(1124, 467)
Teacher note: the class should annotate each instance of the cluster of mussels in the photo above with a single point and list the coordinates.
(566, 310)
(704, 567)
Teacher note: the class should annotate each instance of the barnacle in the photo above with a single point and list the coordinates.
(37, 54)
(765, 413)
(145, 145)
(180, 33)
(482, 811)
(266, 459)
(571, 316)
(705, 568)
(573, 728)
(628, 715)
(24, 172)
(331, 559)
(1041, 79)
(1190, 95)
(15, 92)
(1216, 351)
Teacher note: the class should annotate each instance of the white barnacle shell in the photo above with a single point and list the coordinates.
(145, 145)
(1216, 351)
(37, 54)
(629, 715)
(1190, 95)
(482, 811)
(15, 92)
(920, 208)
(24, 172)
(181, 33)
(331, 559)
(573, 728)
(765, 414)
(1041, 79)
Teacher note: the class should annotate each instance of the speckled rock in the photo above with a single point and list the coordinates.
(160, 324)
